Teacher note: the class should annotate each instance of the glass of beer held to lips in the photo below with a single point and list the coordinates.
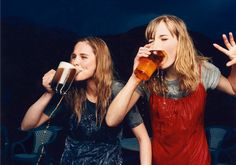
(148, 65)
(63, 77)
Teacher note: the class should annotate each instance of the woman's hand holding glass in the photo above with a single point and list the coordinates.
(47, 79)
(142, 52)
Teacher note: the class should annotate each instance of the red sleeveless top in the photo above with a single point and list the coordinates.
(178, 129)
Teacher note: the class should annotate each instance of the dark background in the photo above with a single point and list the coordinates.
(36, 35)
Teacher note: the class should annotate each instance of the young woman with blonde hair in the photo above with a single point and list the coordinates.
(176, 92)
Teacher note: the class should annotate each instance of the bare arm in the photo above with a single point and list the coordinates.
(232, 78)
(228, 84)
(144, 144)
(34, 115)
(127, 97)
(123, 102)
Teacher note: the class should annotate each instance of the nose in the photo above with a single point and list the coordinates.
(156, 45)
(76, 61)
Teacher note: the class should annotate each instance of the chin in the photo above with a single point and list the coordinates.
(79, 78)
(167, 66)
(82, 78)
(163, 67)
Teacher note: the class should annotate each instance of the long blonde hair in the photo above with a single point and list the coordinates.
(103, 77)
(187, 60)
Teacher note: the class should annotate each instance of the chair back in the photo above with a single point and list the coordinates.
(43, 135)
(5, 145)
(216, 136)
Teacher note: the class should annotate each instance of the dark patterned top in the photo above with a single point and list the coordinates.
(91, 144)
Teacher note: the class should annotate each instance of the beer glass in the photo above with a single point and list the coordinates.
(148, 65)
(63, 77)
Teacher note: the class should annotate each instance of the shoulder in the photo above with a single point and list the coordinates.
(206, 65)
(209, 68)
(210, 75)
(116, 86)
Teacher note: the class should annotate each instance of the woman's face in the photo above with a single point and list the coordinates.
(165, 41)
(84, 60)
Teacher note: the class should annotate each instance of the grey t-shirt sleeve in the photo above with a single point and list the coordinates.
(210, 75)
(116, 87)
(142, 90)
(133, 118)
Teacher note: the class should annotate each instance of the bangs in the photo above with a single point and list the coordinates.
(151, 28)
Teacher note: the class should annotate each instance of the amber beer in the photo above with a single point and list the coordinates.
(63, 77)
(148, 65)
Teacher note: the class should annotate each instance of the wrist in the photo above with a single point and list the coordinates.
(135, 80)
(49, 94)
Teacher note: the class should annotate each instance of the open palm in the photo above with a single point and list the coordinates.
(230, 49)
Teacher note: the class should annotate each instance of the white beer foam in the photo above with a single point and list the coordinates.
(66, 71)
(64, 76)
(66, 65)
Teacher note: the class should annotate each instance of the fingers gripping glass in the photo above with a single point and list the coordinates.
(148, 65)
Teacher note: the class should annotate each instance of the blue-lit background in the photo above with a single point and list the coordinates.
(37, 34)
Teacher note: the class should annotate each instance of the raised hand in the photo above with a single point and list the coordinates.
(47, 79)
(231, 48)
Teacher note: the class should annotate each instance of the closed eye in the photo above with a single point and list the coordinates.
(72, 56)
(150, 41)
(164, 39)
(84, 56)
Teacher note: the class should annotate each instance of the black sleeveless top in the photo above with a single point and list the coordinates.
(88, 143)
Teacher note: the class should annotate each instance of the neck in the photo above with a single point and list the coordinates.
(91, 91)
(171, 74)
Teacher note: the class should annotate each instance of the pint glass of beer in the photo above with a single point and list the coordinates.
(63, 77)
(148, 65)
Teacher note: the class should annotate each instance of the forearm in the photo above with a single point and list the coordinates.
(232, 78)
(121, 103)
(145, 151)
(34, 115)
